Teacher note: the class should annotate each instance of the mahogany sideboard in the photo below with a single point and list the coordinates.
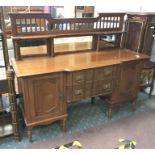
(49, 84)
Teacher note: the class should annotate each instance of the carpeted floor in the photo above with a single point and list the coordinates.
(88, 123)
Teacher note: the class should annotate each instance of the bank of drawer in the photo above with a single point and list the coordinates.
(103, 73)
(78, 92)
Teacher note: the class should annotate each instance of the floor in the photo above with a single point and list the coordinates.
(82, 115)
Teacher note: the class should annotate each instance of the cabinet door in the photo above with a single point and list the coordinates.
(46, 97)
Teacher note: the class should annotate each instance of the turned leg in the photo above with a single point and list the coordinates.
(92, 100)
(29, 132)
(110, 111)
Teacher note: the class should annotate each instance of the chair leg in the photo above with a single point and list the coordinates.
(152, 84)
(151, 89)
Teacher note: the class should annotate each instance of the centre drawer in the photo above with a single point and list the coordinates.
(79, 77)
(103, 73)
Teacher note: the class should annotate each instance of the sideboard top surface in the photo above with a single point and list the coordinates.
(72, 62)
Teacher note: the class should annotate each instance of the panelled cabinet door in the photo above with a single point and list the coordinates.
(46, 96)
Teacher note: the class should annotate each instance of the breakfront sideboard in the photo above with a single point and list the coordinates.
(48, 84)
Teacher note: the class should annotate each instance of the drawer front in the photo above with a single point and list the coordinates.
(78, 77)
(102, 87)
(107, 85)
(108, 72)
(103, 73)
(78, 92)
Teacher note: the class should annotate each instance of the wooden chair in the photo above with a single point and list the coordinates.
(148, 76)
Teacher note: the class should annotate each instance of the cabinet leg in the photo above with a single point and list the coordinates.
(64, 124)
(29, 132)
(92, 100)
(110, 111)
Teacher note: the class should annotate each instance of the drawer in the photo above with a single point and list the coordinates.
(78, 92)
(108, 72)
(103, 73)
(107, 86)
(102, 87)
(78, 77)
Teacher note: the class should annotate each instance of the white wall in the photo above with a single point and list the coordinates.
(69, 11)
(124, 6)
(111, 6)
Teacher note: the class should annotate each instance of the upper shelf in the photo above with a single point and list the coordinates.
(28, 24)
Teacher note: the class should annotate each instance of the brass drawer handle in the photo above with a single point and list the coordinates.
(78, 92)
(106, 86)
(79, 78)
(108, 72)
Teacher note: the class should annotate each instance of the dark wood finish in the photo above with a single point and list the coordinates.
(43, 100)
(128, 85)
(43, 26)
(64, 79)
(140, 31)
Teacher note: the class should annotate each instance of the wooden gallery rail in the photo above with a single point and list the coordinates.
(42, 26)
(49, 84)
